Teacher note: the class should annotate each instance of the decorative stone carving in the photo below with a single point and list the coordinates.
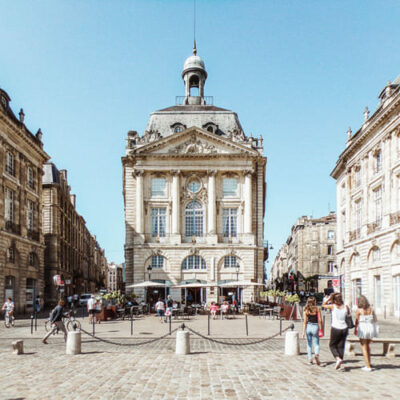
(149, 137)
(194, 146)
(137, 172)
(193, 251)
(237, 135)
(157, 252)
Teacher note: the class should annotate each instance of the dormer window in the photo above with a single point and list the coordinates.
(178, 127)
(210, 127)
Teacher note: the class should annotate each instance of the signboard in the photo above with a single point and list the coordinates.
(68, 281)
(335, 282)
(327, 277)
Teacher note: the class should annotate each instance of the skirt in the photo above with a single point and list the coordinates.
(367, 330)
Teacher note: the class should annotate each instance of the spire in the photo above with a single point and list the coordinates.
(194, 47)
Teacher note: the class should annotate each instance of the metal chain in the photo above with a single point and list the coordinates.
(128, 344)
(237, 344)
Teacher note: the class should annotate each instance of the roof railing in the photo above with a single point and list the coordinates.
(179, 100)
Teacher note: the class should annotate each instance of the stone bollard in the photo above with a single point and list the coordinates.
(182, 342)
(73, 343)
(292, 345)
(18, 347)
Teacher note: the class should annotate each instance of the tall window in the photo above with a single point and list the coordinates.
(158, 186)
(331, 234)
(11, 255)
(378, 291)
(30, 215)
(229, 186)
(230, 262)
(194, 219)
(330, 250)
(9, 211)
(229, 221)
(158, 216)
(10, 163)
(30, 180)
(157, 262)
(358, 177)
(378, 206)
(194, 262)
(378, 161)
(358, 215)
(330, 266)
(376, 254)
(32, 259)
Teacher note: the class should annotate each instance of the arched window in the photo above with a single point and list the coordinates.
(157, 262)
(194, 262)
(194, 219)
(230, 262)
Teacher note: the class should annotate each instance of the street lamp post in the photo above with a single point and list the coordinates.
(149, 268)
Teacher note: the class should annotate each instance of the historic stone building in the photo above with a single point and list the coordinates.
(21, 240)
(307, 261)
(115, 278)
(71, 250)
(194, 192)
(367, 177)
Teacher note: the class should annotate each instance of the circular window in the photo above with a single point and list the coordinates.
(194, 186)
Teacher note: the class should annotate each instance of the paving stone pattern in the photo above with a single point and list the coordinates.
(211, 371)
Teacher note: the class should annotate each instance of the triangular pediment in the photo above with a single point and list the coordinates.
(194, 141)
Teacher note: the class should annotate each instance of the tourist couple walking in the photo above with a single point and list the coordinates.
(365, 328)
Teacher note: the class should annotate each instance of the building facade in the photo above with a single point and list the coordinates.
(71, 250)
(367, 177)
(21, 240)
(194, 194)
(307, 261)
(115, 278)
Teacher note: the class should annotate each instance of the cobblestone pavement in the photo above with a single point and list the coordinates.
(211, 371)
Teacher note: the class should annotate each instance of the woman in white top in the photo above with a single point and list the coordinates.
(339, 328)
(366, 329)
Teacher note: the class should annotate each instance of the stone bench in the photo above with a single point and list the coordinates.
(18, 347)
(388, 345)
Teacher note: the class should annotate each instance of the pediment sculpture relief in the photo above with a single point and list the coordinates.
(194, 146)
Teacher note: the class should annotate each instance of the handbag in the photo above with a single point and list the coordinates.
(349, 320)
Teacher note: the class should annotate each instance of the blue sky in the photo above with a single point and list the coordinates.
(297, 72)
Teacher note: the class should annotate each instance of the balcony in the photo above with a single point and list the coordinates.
(395, 218)
(13, 228)
(354, 235)
(34, 235)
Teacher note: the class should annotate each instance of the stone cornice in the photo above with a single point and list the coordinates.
(365, 132)
(25, 135)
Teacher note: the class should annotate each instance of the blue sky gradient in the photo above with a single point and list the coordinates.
(296, 72)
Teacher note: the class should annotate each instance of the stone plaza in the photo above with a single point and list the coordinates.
(211, 370)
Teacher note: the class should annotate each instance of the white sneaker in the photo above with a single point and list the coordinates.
(338, 364)
(367, 369)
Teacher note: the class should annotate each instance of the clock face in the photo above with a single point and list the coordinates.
(194, 186)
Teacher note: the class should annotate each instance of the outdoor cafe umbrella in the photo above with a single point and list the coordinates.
(197, 285)
(240, 283)
(147, 284)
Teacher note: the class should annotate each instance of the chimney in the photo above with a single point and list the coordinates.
(73, 199)
(63, 173)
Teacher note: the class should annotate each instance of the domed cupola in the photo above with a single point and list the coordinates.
(194, 75)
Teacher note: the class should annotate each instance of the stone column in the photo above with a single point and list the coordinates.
(175, 203)
(139, 202)
(211, 203)
(248, 215)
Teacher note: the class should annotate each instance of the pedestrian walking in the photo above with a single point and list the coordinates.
(339, 329)
(312, 328)
(160, 308)
(8, 307)
(99, 308)
(168, 312)
(37, 303)
(56, 317)
(91, 306)
(366, 329)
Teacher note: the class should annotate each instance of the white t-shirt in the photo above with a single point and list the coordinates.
(8, 306)
(91, 304)
(160, 305)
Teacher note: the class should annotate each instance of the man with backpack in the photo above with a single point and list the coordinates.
(56, 317)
